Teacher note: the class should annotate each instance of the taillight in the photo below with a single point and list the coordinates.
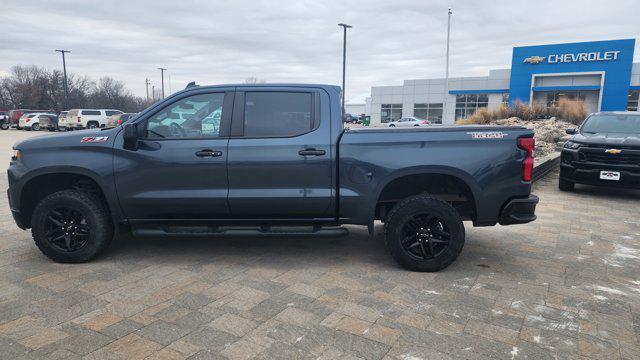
(425, 122)
(119, 121)
(78, 118)
(527, 144)
(28, 119)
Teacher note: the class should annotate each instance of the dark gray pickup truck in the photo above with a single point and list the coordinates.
(269, 160)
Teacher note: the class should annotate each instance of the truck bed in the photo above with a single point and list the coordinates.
(485, 158)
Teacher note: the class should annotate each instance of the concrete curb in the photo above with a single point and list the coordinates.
(545, 165)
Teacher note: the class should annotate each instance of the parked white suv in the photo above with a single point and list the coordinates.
(87, 118)
(32, 121)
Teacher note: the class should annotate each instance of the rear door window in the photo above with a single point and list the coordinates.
(277, 114)
(113, 112)
(91, 112)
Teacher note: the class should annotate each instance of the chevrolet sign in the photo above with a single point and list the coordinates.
(578, 57)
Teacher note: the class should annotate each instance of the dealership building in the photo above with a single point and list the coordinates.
(602, 74)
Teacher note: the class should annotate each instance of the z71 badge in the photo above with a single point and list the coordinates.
(487, 135)
(94, 139)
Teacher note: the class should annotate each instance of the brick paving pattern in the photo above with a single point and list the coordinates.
(566, 286)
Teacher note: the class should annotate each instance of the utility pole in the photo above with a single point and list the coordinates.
(64, 70)
(153, 92)
(446, 75)
(162, 70)
(344, 60)
(146, 83)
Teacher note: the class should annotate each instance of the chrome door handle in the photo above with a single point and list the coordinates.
(311, 152)
(208, 153)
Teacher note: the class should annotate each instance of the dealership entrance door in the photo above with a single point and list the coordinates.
(550, 89)
(552, 98)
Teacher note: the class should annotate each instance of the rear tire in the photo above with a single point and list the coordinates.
(35, 127)
(92, 125)
(71, 226)
(392, 125)
(424, 234)
(4, 126)
(566, 185)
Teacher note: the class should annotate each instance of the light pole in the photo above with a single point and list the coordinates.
(146, 83)
(64, 71)
(162, 70)
(446, 75)
(344, 60)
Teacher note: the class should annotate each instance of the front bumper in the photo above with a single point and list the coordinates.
(578, 170)
(519, 210)
(591, 176)
(15, 213)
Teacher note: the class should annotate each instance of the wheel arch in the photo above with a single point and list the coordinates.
(44, 181)
(461, 179)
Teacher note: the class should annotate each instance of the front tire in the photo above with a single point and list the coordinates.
(424, 234)
(392, 125)
(35, 127)
(71, 226)
(566, 185)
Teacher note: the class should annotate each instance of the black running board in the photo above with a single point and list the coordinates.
(263, 232)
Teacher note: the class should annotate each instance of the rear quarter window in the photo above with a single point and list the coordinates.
(91, 112)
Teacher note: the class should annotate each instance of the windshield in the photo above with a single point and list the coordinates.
(612, 123)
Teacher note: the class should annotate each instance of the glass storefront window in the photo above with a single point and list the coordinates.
(553, 97)
(632, 103)
(505, 99)
(431, 112)
(390, 112)
(467, 104)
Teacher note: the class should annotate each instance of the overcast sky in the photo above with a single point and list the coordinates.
(215, 41)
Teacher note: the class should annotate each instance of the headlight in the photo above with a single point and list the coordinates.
(571, 145)
(17, 154)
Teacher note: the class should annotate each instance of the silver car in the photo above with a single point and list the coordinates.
(408, 121)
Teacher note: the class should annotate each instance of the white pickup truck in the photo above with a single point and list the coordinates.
(86, 118)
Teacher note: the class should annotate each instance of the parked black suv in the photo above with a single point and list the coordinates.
(604, 150)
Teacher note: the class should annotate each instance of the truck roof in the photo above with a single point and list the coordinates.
(265, 85)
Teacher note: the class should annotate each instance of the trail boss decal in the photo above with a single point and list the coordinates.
(94, 139)
(487, 135)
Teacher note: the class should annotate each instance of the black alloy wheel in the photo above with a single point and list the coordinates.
(72, 226)
(424, 236)
(423, 233)
(66, 229)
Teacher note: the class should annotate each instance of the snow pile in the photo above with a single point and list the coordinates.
(547, 132)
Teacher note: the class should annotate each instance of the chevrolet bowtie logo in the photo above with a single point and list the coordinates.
(534, 59)
(613, 151)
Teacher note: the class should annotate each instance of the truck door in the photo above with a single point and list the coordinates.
(280, 161)
(179, 170)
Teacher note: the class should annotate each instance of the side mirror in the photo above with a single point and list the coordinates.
(130, 137)
(570, 131)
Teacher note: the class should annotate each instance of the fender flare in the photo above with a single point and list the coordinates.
(465, 177)
(102, 183)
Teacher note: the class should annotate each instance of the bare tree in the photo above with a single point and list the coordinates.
(38, 88)
(254, 80)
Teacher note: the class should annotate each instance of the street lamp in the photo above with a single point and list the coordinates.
(344, 60)
(64, 70)
(446, 75)
(162, 77)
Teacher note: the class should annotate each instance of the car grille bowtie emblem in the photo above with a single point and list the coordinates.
(613, 151)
